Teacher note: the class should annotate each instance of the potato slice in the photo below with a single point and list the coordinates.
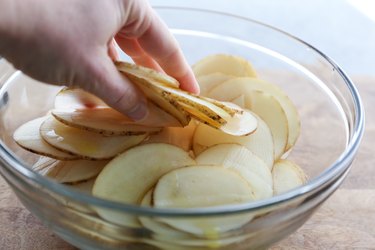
(84, 186)
(104, 121)
(28, 137)
(235, 156)
(68, 171)
(180, 137)
(207, 82)
(270, 110)
(286, 176)
(130, 175)
(259, 142)
(205, 106)
(75, 98)
(166, 233)
(239, 101)
(159, 227)
(239, 159)
(137, 70)
(233, 88)
(226, 64)
(203, 186)
(87, 144)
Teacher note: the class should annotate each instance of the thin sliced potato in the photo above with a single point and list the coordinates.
(180, 137)
(203, 186)
(165, 102)
(68, 171)
(270, 110)
(86, 144)
(28, 137)
(239, 101)
(159, 227)
(225, 64)
(75, 98)
(243, 162)
(233, 156)
(130, 68)
(133, 173)
(233, 88)
(286, 176)
(104, 121)
(259, 142)
(207, 82)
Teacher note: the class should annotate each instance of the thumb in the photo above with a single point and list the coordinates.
(113, 88)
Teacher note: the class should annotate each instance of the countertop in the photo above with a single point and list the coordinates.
(347, 218)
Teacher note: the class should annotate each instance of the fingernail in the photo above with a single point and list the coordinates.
(139, 112)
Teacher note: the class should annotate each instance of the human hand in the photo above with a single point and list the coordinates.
(70, 43)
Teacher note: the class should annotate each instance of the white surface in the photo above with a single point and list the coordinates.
(344, 30)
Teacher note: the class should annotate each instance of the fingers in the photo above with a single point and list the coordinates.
(152, 39)
(112, 52)
(159, 43)
(113, 88)
(132, 48)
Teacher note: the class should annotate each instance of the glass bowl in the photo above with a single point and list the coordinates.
(332, 121)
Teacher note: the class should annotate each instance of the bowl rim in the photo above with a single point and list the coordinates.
(15, 166)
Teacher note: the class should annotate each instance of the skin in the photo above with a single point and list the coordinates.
(71, 42)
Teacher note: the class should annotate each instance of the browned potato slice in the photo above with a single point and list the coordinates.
(225, 64)
(28, 137)
(87, 144)
(68, 171)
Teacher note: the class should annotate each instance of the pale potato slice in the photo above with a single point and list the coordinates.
(270, 110)
(239, 101)
(286, 176)
(239, 159)
(68, 171)
(180, 137)
(129, 176)
(233, 88)
(203, 186)
(75, 98)
(104, 121)
(84, 186)
(28, 137)
(235, 156)
(259, 142)
(130, 68)
(226, 64)
(159, 227)
(86, 144)
(207, 82)
(166, 233)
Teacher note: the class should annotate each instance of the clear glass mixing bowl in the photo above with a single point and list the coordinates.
(332, 121)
